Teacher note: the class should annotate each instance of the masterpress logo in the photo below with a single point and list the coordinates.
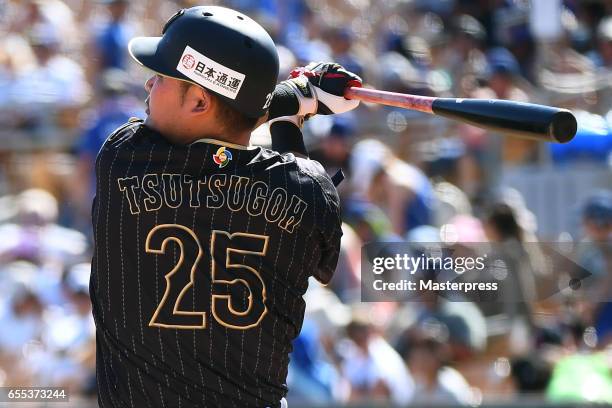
(510, 272)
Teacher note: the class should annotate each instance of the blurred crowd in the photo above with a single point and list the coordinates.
(66, 81)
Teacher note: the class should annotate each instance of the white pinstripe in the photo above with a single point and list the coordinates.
(229, 228)
(210, 332)
(161, 395)
(260, 327)
(146, 169)
(111, 393)
(178, 346)
(130, 388)
(243, 260)
(212, 363)
(121, 245)
(302, 263)
(98, 191)
(110, 172)
(161, 345)
(144, 391)
(195, 210)
(138, 272)
(314, 226)
(101, 400)
(120, 361)
(280, 244)
(295, 240)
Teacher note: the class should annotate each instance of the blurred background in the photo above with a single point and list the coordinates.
(66, 81)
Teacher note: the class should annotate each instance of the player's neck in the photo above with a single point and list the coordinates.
(211, 128)
(191, 132)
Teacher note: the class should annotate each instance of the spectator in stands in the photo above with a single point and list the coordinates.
(69, 334)
(400, 189)
(517, 290)
(603, 57)
(54, 89)
(23, 315)
(603, 61)
(341, 41)
(115, 107)
(595, 255)
(303, 37)
(34, 235)
(531, 373)
(312, 377)
(467, 60)
(502, 77)
(369, 222)
(334, 149)
(373, 368)
(427, 355)
(346, 282)
(111, 41)
(25, 15)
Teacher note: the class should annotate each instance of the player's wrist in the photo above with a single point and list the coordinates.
(286, 135)
(285, 102)
(305, 94)
(296, 120)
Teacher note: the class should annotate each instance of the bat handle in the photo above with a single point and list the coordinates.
(406, 101)
(351, 92)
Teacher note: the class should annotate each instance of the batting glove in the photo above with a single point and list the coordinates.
(298, 121)
(319, 88)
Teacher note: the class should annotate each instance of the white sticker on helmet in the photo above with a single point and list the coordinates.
(210, 74)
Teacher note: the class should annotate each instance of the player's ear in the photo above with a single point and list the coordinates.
(201, 101)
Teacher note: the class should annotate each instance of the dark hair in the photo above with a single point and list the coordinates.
(531, 373)
(502, 218)
(232, 120)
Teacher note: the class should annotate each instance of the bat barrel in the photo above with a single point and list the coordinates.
(563, 126)
(528, 120)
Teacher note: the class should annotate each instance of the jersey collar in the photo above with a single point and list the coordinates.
(226, 144)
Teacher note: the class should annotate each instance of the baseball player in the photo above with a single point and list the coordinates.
(203, 243)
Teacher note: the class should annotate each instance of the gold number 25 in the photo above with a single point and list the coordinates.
(230, 254)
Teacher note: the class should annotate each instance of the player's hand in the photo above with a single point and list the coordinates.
(319, 88)
(327, 81)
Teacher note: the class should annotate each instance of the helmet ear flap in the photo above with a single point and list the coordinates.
(172, 19)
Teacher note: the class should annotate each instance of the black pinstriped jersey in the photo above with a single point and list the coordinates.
(202, 255)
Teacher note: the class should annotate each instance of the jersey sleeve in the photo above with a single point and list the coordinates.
(329, 224)
(330, 248)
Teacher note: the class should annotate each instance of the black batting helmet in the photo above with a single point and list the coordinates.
(219, 49)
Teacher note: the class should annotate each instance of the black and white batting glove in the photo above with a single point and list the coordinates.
(298, 121)
(317, 88)
(320, 88)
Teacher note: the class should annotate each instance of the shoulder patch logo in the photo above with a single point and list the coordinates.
(222, 157)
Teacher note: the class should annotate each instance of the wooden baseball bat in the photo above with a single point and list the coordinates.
(539, 122)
